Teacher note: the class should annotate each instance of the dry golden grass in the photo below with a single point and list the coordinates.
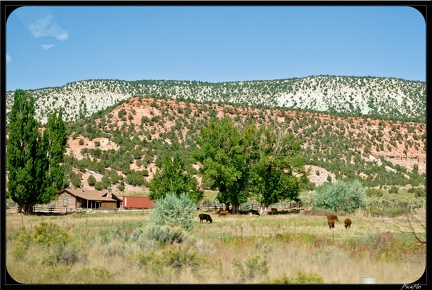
(232, 249)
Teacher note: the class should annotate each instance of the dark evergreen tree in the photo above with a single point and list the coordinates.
(51, 158)
(34, 161)
(21, 152)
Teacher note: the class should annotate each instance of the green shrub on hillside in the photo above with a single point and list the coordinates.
(91, 180)
(370, 192)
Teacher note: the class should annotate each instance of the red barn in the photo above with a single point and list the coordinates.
(136, 202)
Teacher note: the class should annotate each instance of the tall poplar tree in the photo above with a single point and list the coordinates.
(51, 158)
(21, 151)
(34, 162)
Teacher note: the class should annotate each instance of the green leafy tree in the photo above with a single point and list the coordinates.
(341, 196)
(223, 160)
(265, 162)
(277, 170)
(35, 162)
(173, 177)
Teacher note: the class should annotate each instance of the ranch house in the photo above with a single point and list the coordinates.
(69, 200)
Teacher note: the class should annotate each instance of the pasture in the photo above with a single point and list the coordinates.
(274, 249)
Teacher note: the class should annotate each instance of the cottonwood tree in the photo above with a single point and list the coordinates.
(277, 169)
(34, 161)
(244, 161)
(223, 160)
(173, 177)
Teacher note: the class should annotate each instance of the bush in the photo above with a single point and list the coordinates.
(174, 211)
(300, 278)
(254, 266)
(91, 180)
(371, 192)
(393, 189)
(121, 113)
(341, 196)
(418, 191)
(61, 247)
(50, 234)
(21, 244)
(99, 185)
(171, 260)
(136, 178)
(106, 181)
(165, 234)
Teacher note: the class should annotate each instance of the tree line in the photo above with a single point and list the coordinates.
(260, 162)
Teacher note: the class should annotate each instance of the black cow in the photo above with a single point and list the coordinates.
(204, 216)
(254, 212)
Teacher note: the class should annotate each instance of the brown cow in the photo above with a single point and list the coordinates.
(332, 216)
(347, 223)
(223, 212)
(331, 223)
(273, 210)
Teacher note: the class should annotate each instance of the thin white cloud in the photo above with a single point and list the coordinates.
(8, 58)
(62, 37)
(47, 46)
(47, 27)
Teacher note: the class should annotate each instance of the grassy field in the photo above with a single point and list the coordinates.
(279, 249)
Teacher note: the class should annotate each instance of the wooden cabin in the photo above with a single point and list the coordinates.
(71, 200)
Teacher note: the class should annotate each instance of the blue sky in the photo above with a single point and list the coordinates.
(49, 46)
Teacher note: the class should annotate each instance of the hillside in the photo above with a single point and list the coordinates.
(350, 127)
(130, 137)
(361, 96)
